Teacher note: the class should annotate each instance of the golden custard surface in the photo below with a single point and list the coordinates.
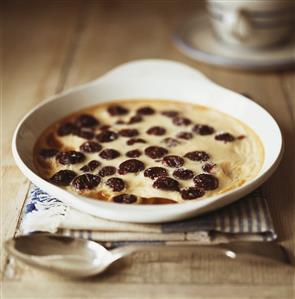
(231, 161)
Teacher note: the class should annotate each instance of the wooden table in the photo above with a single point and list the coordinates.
(51, 46)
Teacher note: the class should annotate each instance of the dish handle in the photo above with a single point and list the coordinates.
(146, 68)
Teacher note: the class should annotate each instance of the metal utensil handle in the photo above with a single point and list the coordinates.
(238, 250)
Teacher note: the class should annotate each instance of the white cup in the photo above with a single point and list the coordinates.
(252, 23)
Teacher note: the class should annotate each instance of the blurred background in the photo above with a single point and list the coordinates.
(107, 33)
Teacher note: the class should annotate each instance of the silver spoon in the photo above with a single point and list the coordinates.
(80, 257)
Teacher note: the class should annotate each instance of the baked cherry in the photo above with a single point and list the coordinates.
(156, 130)
(135, 119)
(206, 181)
(170, 113)
(107, 171)
(181, 121)
(185, 135)
(86, 181)
(145, 111)
(197, 156)
(131, 165)
(107, 136)
(66, 129)
(207, 167)
(155, 172)
(134, 153)
(90, 147)
(115, 110)
(70, 157)
(155, 152)
(125, 198)
(109, 154)
(128, 132)
(63, 177)
(48, 152)
(85, 134)
(135, 140)
(173, 161)
(92, 165)
(86, 120)
(226, 137)
(183, 174)
(166, 183)
(192, 193)
(116, 184)
(203, 129)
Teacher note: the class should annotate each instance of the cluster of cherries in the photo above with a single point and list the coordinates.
(83, 127)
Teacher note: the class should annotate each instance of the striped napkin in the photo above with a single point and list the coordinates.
(246, 219)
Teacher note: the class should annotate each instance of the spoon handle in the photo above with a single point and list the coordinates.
(269, 251)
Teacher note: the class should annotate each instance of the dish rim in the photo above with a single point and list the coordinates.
(34, 177)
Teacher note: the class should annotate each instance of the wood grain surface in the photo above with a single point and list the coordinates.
(53, 45)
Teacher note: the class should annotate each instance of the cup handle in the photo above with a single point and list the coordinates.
(239, 24)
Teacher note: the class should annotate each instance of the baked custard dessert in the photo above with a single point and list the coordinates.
(148, 151)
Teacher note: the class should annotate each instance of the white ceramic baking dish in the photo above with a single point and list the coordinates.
(148, 79)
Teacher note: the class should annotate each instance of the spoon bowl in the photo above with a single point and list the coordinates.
(66, 255)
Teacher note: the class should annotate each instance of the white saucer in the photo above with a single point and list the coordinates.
(197, 40)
